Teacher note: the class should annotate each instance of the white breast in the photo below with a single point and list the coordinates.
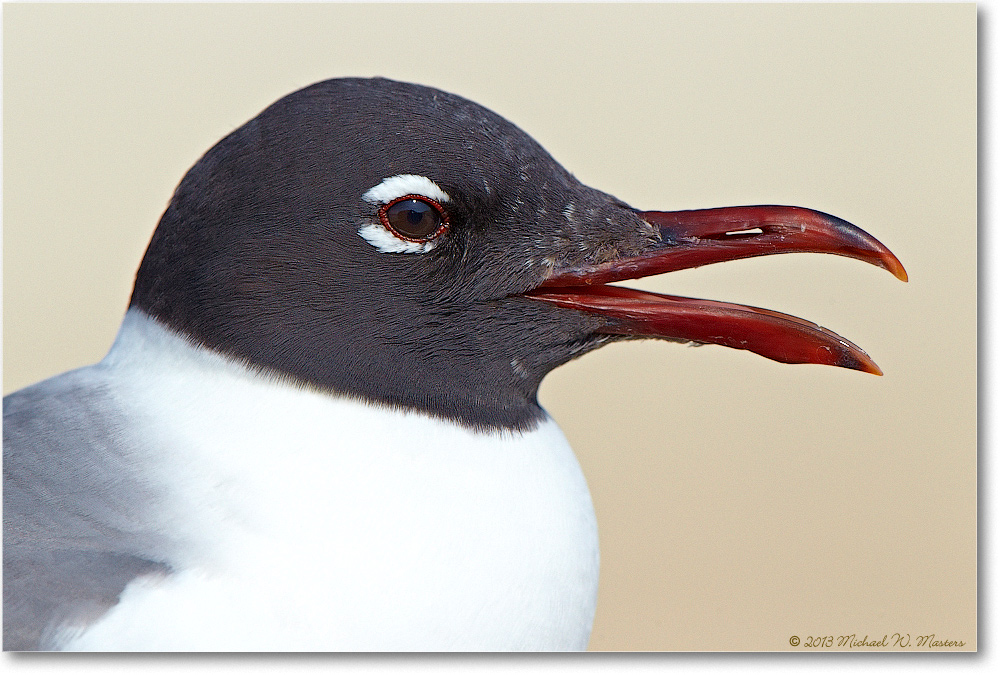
(309, 522)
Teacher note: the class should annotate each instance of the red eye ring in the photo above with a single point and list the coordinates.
(429, 224)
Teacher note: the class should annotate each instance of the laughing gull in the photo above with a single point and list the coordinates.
(317, 428)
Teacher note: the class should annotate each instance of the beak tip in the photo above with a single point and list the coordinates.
(896, 268)
(866, 365)
(853, 357)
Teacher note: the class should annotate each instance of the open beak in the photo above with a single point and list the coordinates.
(700, 237)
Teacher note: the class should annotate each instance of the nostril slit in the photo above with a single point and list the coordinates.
(745, 233)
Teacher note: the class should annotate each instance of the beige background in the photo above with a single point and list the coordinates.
(740, 501)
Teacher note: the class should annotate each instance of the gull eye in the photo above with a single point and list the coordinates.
(414, 218)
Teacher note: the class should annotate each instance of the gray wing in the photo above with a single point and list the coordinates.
(75, 508)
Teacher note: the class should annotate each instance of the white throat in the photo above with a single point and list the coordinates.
(305, 521)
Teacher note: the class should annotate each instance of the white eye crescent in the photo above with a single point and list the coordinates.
(412, 217)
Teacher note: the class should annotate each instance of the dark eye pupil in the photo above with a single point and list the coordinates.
(413, 218)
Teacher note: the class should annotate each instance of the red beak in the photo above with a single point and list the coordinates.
(695, 238)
